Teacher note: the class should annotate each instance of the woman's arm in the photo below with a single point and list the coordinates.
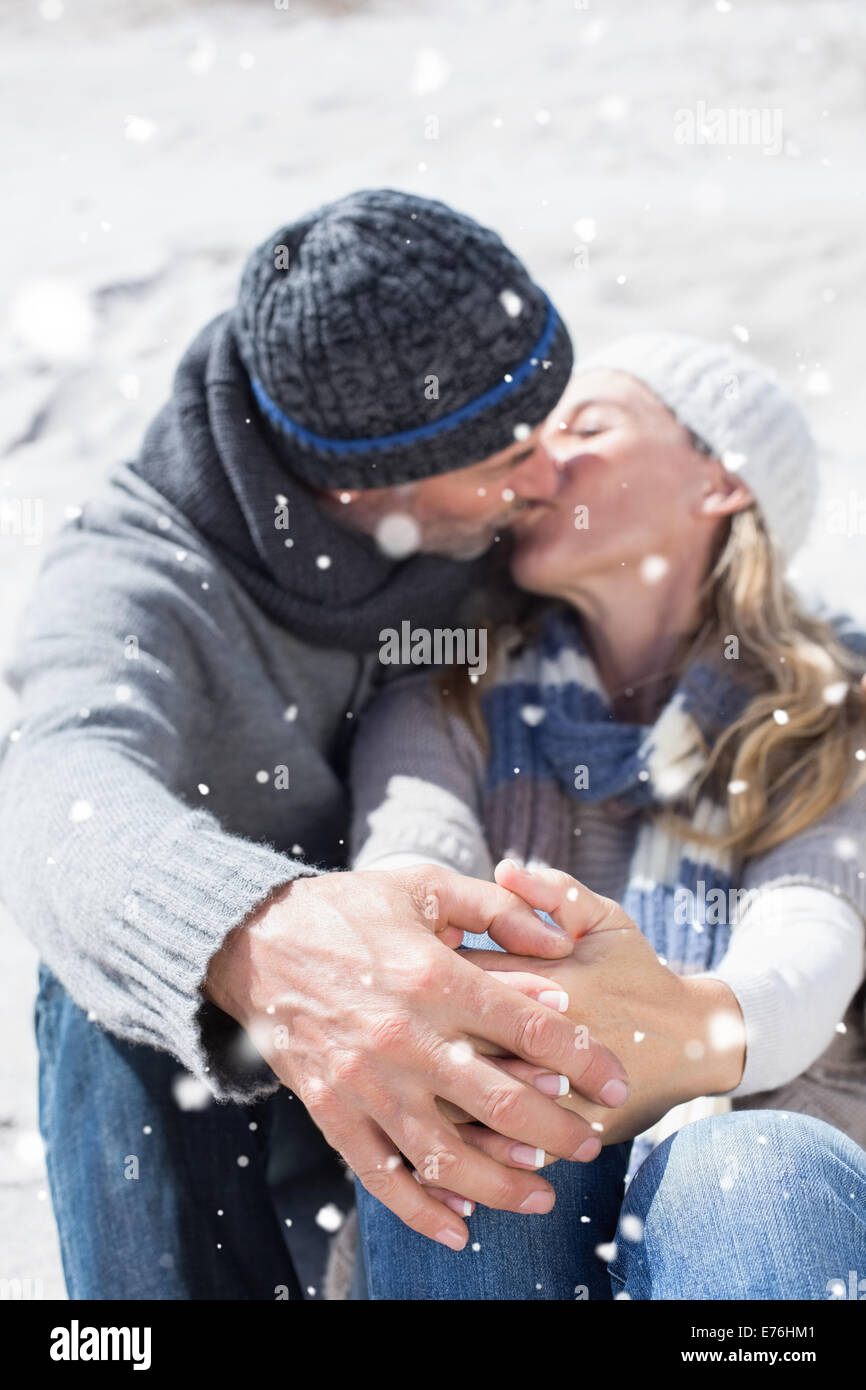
(416, 779)
(795, 961)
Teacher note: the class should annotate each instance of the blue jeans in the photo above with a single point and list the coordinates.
(149, 1198)
(755, 1204)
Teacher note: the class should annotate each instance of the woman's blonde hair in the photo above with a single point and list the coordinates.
(799, 747)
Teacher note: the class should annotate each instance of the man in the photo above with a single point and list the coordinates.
(172, 810)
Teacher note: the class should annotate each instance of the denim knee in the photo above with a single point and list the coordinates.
(750, 1204)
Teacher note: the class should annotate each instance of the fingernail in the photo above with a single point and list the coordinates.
(555, 999)
(551, 1084)
(537, 1203)
(614, 1093)
(589, 1149)
(460, 1205)
(547, 921)
(527, 1155)
(451, 1239)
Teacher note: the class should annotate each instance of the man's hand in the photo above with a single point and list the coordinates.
(349, 986)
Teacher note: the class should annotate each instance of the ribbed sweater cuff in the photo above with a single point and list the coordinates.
(198, 884)
(757, 994)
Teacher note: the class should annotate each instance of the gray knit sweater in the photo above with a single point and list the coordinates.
(173, 762)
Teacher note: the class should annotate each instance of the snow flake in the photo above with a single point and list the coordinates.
(311, 1290)
(653, 568)
(190, 1093)
(123, 693)
(572, 895)
(612, 108)
(80, 811)
(53, 318)
(845, 847)
(243, 1161)
(14, 735)
(731, 1173)
(476, 1246)
(818, 383)
(586, 1219)
(841, 1028)
(835, 693)
(461, 1053)
(507, 494)
(297, 850)
(330, 1218)
(201, 58)
(431, 72)
(542, 117)
(522, 431)
(290, 713)
(398, 535)
(606, 1251)
(860, 755)
(148, 1129)
(261, 775)
(586, 229)
(511, 303)
(532, 714)
(639, 1037)
(737, 785)
(164, 523)
(740, 332)
(733, 461)
(204, 788)
(139, 129)
(781, 716)
(631, 1227)
(128, 386)
(323, 562)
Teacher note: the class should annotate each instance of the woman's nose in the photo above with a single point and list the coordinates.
(537, 478)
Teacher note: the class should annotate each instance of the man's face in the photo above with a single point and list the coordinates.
(455, 514)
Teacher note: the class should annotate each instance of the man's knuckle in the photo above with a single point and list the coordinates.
(504, 1102)
(535, 1033)
(389, 1032)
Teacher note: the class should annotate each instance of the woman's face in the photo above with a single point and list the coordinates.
(631, 488)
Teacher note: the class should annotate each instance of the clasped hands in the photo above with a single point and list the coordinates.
(677, 1037)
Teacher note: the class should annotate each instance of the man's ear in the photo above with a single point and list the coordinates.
(725, 494)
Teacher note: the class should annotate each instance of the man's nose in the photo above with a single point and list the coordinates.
(538, 477)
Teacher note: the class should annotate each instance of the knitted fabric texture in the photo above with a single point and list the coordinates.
(740, 410)
(389, 338)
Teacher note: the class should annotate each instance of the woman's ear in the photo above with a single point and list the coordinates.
(724, 494)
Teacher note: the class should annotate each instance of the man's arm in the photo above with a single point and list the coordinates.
(125, 889)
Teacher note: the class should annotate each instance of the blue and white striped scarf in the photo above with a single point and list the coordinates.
(554, 741)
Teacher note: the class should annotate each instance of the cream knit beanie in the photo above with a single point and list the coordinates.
(739, 410)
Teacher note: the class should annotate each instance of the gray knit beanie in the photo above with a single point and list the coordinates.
(739, 410)
(388, 338)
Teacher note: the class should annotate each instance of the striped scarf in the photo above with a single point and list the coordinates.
(554, 741)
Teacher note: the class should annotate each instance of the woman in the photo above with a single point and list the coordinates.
(675, 733)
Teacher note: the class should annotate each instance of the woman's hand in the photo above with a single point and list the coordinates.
(677, 1037)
